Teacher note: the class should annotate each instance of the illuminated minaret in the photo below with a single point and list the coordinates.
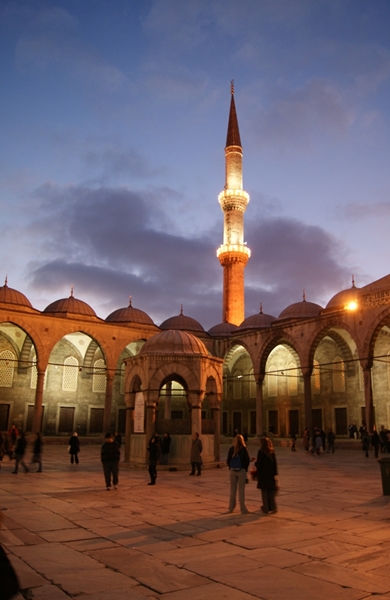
(233, 254)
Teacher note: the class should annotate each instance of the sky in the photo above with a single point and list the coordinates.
(113, 120)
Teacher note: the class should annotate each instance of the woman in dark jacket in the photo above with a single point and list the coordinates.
(238, 461)
(267, 475)
(74, 448)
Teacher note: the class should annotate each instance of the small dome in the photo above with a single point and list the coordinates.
(259, 321)
(129, 315)
(344, 298)
(10, 296)
(174, 342)
(70, 306)
(182, 323)
(301, 310)
(222, 330)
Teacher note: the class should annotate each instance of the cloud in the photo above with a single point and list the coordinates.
(300, 115)
(105, 243)
(364, 210)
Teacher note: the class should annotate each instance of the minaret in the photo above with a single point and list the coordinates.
(233, 254)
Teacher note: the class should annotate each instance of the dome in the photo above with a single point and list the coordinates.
(10, 296)
(222, 330)
(129, 315)
(182, 323)
(344, 298)
(301, 310)
(259, 321)
(70, 306)
(174, 342)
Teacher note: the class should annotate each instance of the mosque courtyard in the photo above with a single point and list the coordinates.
(67, 537)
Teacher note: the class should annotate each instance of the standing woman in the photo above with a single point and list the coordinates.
(238, 461)
(74, 448)
(267, 475)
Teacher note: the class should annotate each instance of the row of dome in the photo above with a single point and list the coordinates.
(129, 314)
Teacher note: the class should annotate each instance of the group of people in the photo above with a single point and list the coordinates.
(266, 474)
(159, 450)
(14, 445)
(318, 441)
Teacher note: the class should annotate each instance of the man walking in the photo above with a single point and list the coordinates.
(110, 455)
(196, 455)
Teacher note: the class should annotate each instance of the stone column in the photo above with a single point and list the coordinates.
(108, 404)
(129, 401)
(216, 410)
(368, 397)
(150, 428)
(168, 400)
(259, 407)
(37, 424)
(196, 412)
(308, 400)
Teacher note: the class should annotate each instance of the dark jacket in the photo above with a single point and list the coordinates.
(267, 470)
(243, 454)
(110, 452)
(21, 445)
(74, 444)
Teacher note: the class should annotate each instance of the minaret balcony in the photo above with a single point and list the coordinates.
(234, 249)
(233, 200)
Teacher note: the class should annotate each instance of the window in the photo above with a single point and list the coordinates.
(272, 381)
(70, 373)
(338, 375)
(292, 379)
(7, 366)
(99, 376)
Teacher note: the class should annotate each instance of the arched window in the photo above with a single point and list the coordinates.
(99, 379)
(7, 367)
(316, 377)
(292, 379)
(70, 374)
(272, 378)
(237, 385)
(338, 375)
(252, 384)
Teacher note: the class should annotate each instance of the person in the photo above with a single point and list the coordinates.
(74, 448)
(196, 455)
(9, 585)
(293, 437)
(267, 475)
(317, 442)
(110, 455)
(331, 439)
(365, 442)
(118, 439)
(375, 441)
(165, 448)
(154, 453)
(20, 451)
(238, 462)
(13, 434)
(306, 440)
(37, 452)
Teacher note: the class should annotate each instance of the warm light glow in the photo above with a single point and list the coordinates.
(352, 305)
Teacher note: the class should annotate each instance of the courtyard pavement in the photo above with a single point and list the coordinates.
(67, 537)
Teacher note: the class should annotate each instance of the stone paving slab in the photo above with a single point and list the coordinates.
(69, 538)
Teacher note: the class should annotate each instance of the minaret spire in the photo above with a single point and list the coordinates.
(233, 254)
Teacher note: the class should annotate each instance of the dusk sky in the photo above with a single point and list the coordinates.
(113, 120)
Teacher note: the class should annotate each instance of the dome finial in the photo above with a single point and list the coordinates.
(130, 301)
(304, 296)
(71, 292)
(261, 308)
(6, 281)
(232, 87)
(181, 309)
(353, 281)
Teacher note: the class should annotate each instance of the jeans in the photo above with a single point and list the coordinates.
(237, 479)
(111, 468)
